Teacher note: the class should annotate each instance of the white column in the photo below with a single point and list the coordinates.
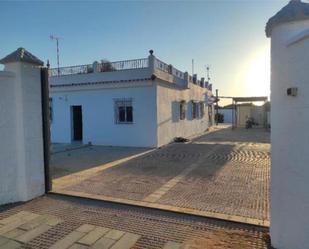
(289, 137)
(21, 147)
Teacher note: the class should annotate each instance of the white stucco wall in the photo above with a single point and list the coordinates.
(21, 147)
(290, 138)
(169, 124)
(98, 114)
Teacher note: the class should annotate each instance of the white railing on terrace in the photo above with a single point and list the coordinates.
(168, 69)
(118, 66)
(101, 67)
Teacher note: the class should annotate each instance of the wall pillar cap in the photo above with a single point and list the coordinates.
(295, 10)
(22, 55)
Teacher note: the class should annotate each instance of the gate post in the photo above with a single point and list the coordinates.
(21, 144)
(289, 196)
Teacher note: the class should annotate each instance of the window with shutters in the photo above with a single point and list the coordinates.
(182, 110)
(194, 110)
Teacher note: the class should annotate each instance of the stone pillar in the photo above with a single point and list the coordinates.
(21, 147)
(202, 82)
(186, 79)
(289, 189)
(151, 62)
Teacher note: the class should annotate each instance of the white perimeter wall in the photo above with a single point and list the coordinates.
(98, 113)
(21, 147)
(169, 124)
(290, 138)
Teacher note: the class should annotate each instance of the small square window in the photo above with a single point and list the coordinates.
(123, 111)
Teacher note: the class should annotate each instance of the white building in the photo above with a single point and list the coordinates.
(143, 103)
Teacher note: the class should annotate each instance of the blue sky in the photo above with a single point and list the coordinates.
(227, 35)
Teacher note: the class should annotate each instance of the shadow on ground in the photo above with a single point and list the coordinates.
(68, 159)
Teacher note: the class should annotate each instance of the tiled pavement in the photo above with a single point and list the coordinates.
(65, 222)
(224, 174)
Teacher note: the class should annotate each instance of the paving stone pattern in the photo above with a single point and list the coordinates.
(140, 177)
(96, 224)
(232, 183)
(20, 228)
(232, 179)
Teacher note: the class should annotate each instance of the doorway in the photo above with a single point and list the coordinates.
(77, 123)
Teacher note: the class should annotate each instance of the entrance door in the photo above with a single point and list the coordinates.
(77, 119)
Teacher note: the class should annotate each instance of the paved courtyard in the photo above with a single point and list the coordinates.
(62, 222)
(223, 174)
(71, 158)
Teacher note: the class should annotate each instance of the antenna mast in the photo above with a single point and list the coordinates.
(192, 67)
(208, 69)
(55, 38)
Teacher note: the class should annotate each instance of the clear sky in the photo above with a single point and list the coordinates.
(227, 35)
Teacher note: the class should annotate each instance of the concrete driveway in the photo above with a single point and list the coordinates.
(223, 174)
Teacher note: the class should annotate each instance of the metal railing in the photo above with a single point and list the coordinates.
(168, 69)
(162, 66)
(178, 73)
(101, 67)
(81, 69)
(128, 64)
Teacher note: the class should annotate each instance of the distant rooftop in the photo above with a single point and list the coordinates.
(295, 10)
(22, 55)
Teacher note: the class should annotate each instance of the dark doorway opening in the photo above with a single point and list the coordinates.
(77, 118)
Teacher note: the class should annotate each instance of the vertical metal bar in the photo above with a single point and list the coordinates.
(58, 56)
(216, 107)
(46, 126)
(233, 118)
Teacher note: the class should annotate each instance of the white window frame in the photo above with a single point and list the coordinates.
(125, 102)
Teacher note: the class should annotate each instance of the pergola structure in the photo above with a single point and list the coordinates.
(238, 100)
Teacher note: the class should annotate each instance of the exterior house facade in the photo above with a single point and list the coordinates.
(141, 103)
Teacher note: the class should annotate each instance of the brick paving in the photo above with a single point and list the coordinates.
(234, 187)
(232, 179)
(81, 223)
(138, 178)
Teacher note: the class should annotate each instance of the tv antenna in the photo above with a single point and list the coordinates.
(208, 74)
(56, 38)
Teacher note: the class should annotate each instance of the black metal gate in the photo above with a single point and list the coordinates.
(46, 126)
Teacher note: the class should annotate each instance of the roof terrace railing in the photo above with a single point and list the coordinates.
(168, 69)
(101, 67)
(106, 66)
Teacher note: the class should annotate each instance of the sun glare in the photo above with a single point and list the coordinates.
(257, 79)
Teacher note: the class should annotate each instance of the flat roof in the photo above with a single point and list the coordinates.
(250, 99)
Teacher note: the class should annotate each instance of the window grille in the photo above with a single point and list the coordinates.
(123, 111)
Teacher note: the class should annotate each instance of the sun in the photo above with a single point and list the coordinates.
(257, 79)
